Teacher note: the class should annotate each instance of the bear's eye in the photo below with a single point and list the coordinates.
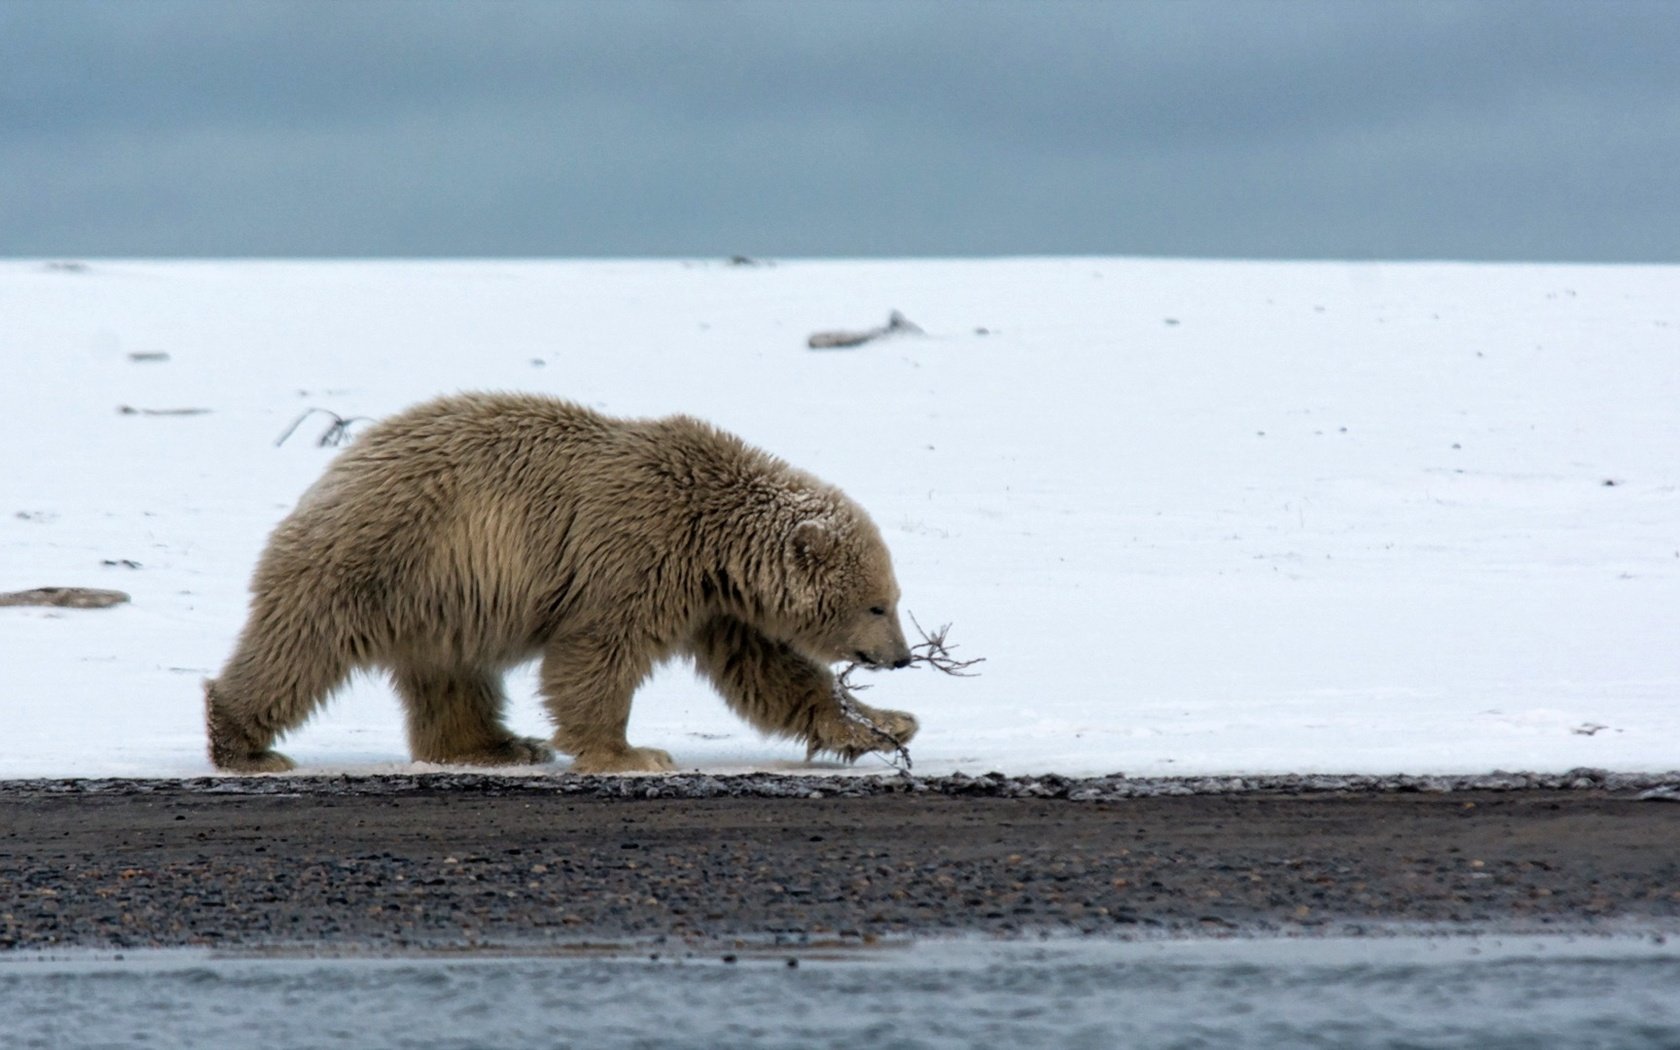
(876, 610)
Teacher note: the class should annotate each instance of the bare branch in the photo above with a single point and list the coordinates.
(933, 651)
(130, 410)
(336, 434)
(849, 708)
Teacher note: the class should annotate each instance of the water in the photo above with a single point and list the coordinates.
(1487, 993)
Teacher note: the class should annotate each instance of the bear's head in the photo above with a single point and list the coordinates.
(844, 595)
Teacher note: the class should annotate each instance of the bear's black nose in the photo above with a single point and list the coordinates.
(902, 662)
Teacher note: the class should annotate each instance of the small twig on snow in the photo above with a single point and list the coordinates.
(336, 434)
(130, 410)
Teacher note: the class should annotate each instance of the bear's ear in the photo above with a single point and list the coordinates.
(812, 540)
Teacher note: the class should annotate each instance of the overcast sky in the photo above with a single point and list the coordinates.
(1484, 129)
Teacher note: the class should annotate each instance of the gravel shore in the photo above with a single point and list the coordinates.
(448, 861)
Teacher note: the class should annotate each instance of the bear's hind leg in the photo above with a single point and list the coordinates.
(455, 718)
(276, 678)
(783, 693)
(235, 744)
(587, 683)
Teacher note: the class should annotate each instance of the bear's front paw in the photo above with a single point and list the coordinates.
(851, 735)
(514, 751)
(624, 760)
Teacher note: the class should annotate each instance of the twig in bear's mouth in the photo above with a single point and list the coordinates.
(933, 651)
(936, 653)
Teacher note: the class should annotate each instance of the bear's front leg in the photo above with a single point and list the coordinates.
(587, 682)
(780, 691)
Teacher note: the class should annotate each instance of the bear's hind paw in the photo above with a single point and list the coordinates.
(255, 762)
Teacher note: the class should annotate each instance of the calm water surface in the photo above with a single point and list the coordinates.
(1516, 992)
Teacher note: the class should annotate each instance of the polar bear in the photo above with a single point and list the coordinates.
(475, 532)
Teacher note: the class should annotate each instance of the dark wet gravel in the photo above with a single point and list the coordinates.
(447, 860)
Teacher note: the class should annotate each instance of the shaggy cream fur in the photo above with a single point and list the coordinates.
(472, 533)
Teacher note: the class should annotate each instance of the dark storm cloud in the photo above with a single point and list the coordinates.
(1476, 130)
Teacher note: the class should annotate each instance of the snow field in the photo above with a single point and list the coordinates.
(1199, 517)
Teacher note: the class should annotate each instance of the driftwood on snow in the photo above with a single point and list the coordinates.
(130, 410)
(65, 597)
(897, 324)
